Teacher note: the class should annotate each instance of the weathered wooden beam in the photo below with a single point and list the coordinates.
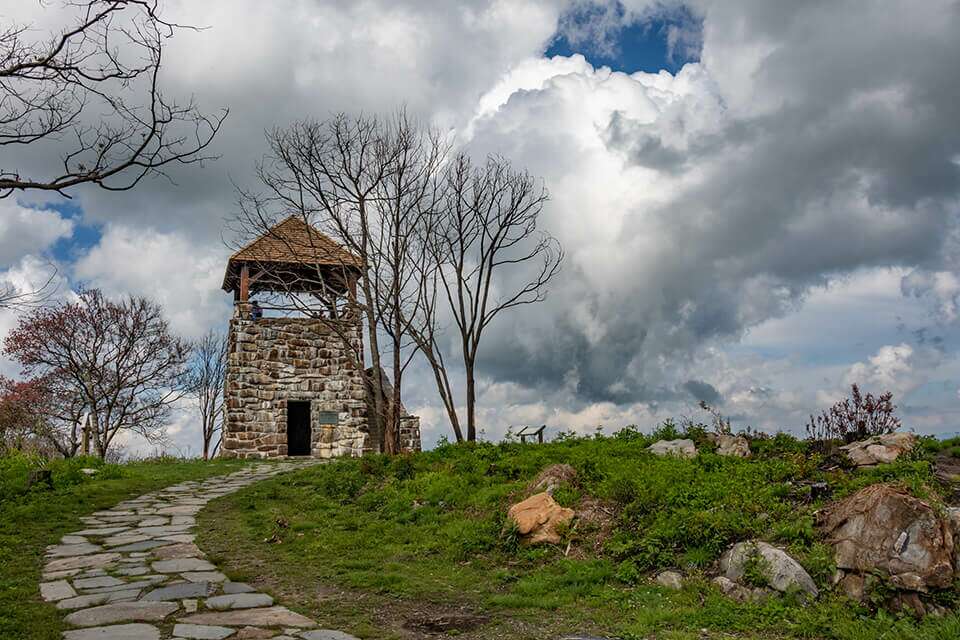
(244, 283)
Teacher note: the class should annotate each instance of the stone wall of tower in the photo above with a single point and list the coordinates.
(275, 360)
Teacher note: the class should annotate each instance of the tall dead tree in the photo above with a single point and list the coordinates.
(90, 94)
(488, 257)
(119, 358)
(208, 370)
(404, 210)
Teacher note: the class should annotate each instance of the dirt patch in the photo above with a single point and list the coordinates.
(443, 623)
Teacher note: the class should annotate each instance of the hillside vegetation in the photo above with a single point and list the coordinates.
(394, 547)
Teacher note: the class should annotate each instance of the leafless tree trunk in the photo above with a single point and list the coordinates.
(405, 207)
(118, 357)
(91, 93)
(208, 370)
(485, 239)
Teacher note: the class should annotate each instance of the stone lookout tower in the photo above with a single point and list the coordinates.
(295, 385)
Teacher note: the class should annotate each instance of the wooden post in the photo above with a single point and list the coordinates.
(244, 283)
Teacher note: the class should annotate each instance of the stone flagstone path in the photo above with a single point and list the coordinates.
(134, 573)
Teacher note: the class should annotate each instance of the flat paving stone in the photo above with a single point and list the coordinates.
(143, 545)
(114, 541)
(206, 576)
(59, 590)
(239, 601)
(253, 633)
(100, 531)
(182, 590)
(202, 631)
(115, 632)
(94, 599)
(72, 539)
(267, 617)
(326, 634)
(178, 550)
(95, 560)
(180, 565)
(237, 587)
(122, 612)
(180, 537)
(57, 575)
(133, 571)
(95, 583)
(70, 550)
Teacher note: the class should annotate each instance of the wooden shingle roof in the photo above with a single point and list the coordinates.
(292, 242)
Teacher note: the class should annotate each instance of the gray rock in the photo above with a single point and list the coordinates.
(182, 590)
(237, 587)
(670, 580)
(782, 572)
(137, 570)
(680, 448)
(121, 612)
(115, 632)
(879, 449)
(59, 590)
(180, 565)
(202, 631)
(728, 445)
(239, 601)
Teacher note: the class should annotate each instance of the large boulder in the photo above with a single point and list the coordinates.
(728, 445)
(883, 529)
(780, 571)
(879, 449)
(680, 448)
(539, 518)
(552, 477)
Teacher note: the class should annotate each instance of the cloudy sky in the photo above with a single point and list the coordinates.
(758, 200)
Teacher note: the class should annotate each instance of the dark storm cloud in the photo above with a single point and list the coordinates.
(836, 149)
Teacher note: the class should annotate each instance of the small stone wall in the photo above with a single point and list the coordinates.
(410, 434)
(273, 360)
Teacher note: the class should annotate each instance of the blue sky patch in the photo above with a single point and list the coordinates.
(606, 35)
(85, 236)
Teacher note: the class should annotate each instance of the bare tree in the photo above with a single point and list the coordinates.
(118, 358)
(93, 90)
(364, 182)
(208, 369)
(405, 210)
(488, 257)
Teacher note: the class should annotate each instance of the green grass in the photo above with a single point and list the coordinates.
(31, 519)
(367, 544)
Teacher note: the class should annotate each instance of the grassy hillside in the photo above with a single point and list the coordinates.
(390, 547)
(31, 519)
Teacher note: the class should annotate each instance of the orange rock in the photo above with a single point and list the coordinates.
(538, 518)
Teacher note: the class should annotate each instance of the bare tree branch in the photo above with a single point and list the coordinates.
(94, 89)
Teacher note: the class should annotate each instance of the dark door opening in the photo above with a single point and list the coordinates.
(298, 428)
